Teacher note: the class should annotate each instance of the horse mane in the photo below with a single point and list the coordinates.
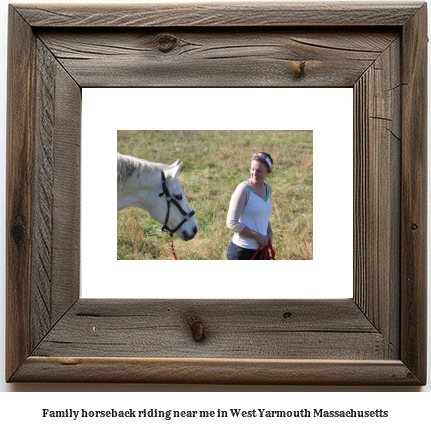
(128, 165)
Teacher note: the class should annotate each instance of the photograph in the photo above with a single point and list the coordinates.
(243, 200)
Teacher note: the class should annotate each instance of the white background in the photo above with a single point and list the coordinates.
(328, 112)
(407, 409)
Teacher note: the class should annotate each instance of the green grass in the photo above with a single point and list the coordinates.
(214, 163)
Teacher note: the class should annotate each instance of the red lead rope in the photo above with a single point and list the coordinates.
(265, 252)
(171, 243)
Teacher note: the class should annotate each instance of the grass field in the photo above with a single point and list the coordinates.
(214, 163)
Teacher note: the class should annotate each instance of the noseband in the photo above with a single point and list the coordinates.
(170, 199)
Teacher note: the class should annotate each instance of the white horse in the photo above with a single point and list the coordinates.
(153, 187)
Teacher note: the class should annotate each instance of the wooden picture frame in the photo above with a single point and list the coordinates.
(376, 338)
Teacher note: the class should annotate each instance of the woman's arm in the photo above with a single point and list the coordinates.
(261, 239)
(236, 207)
(269, 230)
(270, 233)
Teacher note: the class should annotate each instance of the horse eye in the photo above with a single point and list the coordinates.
(178, 197)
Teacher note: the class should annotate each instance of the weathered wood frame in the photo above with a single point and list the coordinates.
(378, 337)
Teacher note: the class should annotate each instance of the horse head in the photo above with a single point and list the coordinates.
(154, 187)
(179, 217)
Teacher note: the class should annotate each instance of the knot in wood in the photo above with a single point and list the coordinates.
(197, 328)
(18, 233)
(414, 226)
(300, 69)
(303, 68)
(167, 42)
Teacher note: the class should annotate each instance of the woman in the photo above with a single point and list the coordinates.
(249, 211)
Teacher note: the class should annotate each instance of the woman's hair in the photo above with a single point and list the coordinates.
(262, 157)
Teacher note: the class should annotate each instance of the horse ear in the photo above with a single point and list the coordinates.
(175, 164)
(172, 172)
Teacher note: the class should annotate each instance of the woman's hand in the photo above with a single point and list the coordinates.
(262, 240)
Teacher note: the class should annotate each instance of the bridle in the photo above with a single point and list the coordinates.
(170, 199)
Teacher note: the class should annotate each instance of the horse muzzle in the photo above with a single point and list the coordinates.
(187, 236)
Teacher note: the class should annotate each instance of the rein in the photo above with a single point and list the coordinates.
(186, 215)
(171, 243)
(265, 252)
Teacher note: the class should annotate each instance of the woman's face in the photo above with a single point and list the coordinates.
(258, 172)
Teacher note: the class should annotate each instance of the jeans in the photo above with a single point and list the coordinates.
(235, 252)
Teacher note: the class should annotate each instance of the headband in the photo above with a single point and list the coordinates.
(263, 158)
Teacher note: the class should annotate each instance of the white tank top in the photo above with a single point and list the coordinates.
(255, 216)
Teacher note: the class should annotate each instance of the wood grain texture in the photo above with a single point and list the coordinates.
(377, 146)
(43, 191)
(220, 15)
(268, 329)
(19, 198)
(67, 195)
(55, 278)
(414, 195)
(43, 194)
(228, 58)
(215, 371)
(378, 337)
